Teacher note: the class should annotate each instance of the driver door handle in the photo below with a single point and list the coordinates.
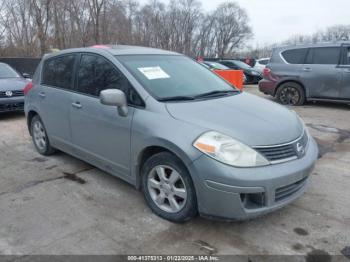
(77, 105)
(307, 69)
(42, 95)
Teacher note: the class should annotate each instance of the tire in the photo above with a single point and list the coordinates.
(291, 93)
(245, 79)
(40, 138)
(168, 188)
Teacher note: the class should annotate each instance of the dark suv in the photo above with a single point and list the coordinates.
(252, 75)
(297, 74)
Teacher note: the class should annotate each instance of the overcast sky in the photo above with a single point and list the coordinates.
(275, 20)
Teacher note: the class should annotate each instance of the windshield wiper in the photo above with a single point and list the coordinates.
(217, 93)
(204, 95)
(176, 98)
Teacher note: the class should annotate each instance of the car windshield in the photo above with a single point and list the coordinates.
(217, 66)
(7, 72)
(242, 64)
(174, 76)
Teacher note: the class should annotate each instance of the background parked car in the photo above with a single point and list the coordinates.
(252, 75)
(215, 65)
(260, 64)
(23, 65)
(12, 84)
(218, 68)
(297, 74)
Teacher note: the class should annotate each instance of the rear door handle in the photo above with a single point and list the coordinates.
(307, 69)
(77, 105)
(347, 70)
(42, 94)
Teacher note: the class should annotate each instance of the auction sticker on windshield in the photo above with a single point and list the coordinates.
(153, 72)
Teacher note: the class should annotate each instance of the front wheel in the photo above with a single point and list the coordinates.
(291, 94)
(168, 188)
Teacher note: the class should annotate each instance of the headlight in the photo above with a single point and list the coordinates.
(228, 150)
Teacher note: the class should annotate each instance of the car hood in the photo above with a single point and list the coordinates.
(12, 84)
(245, 117)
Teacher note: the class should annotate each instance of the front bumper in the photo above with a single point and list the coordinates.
(12, 104)
(252, 79)
(243, 193)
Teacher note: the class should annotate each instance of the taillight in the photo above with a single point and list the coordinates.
(267, 71)
(27, 88)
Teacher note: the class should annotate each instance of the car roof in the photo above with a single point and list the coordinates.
(323, 44)
(6, 64)
(115, 50)
(230, 60)
(2, 63)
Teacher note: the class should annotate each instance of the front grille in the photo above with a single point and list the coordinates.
(15, 93)
(281, 153)
(11, 107)
(286, 191)
(278, 153)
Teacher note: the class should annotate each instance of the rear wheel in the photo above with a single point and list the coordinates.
(168, 188)
(291, 93)
(40, 138)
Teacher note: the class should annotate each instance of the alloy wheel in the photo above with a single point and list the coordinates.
(289, 96)
(39, 135)
(167, 188)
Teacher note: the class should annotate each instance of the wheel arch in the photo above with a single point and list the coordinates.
(30, 116)
(151, 149)
(291, 81)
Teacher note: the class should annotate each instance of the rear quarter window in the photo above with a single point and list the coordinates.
(36, 76)
(295, 56)
(58, 71)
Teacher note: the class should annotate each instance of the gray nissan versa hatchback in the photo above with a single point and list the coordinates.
(167, 125)
(318, 72)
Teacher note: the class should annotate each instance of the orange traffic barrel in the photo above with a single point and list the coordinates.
(234, 77)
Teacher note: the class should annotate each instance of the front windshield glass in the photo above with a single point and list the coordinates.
(7, 72)
(218, 66)
(167, 76)
(242, 64)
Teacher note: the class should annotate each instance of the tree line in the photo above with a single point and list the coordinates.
(31, 28)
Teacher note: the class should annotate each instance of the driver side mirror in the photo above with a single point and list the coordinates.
(115, 97)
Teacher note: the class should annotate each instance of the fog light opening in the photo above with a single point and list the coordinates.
(252, 201)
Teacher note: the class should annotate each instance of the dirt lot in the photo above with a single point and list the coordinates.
(60, 205)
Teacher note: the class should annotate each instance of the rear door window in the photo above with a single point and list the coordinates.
(323, 56)
(96, 74)
(58, 71)
(295, 56)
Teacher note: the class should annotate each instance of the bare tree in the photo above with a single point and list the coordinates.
(231, 28)
(95, 8)
(33, 27)
(41, 11)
